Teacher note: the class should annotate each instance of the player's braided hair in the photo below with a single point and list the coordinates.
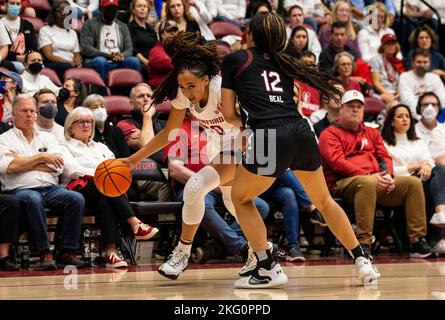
(269, 34)
(187, 53)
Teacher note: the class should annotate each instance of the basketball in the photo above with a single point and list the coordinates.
(112, 178)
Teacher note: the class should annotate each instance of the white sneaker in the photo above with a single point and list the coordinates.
(440, 247)
(175, 265)
(250, 264)
(438, 219)
(366, 271)
(272, 278)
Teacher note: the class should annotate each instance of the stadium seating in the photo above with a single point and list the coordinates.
(52, 75)
(223, 28)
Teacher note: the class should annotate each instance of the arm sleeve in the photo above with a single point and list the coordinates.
(203, 12)
(333, 155)
(127, 42)
(4, 37)
(87, 42)
(407, 95)
(230, 66)
(44, 37)
(5, 160)
(127, 128)
(382, 154)
(437, 145)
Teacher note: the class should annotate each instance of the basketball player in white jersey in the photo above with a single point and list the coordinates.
(195, 72)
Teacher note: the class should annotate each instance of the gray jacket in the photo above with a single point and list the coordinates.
(90, 39)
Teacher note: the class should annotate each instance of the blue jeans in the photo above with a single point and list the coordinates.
(70, 203)
(215, 225)
(102, 65)
(290, 195)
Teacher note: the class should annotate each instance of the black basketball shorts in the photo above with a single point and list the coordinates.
(273, 146)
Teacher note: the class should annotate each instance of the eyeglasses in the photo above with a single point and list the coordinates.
(427, 104)
(346, 64)
(83, 122)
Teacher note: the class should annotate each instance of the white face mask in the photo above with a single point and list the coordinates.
(429, 113)
(100, 115)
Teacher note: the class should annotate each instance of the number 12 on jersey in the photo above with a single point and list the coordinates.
(272, 81)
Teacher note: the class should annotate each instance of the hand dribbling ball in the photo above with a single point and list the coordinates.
(112, 178)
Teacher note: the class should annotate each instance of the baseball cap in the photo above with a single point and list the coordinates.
(106, 3)
(351, 95)
(168, 25)
(14, 76)
(388, 37)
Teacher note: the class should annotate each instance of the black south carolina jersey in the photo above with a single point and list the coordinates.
(263, 92)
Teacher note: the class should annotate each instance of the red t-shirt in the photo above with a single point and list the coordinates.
(189, 147)
(309, 97)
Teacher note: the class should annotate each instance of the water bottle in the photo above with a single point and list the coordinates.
(25, 257)
(86, 254)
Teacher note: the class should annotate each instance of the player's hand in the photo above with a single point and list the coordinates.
(149, 110)
(128, 162)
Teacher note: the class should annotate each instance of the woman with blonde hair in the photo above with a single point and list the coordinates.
(81, 161)
(179, 11)
(369, 37)
(341, 11)
(143, 36)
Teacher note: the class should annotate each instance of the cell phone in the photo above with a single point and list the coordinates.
(2, 87)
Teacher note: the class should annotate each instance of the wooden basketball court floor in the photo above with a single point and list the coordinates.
(318, 279)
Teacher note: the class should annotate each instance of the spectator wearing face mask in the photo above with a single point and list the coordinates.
(105, 132)
(419, 80)
(70, 96)
(428, 108)
(33, 81)
(20, 32)
(46, 112)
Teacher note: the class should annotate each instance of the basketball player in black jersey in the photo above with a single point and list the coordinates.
(261, 78)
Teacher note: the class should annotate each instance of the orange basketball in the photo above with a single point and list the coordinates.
(112, 178)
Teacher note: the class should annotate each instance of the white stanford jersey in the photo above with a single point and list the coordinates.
(220, 134)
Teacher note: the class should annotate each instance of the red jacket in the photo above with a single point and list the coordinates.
(347, 153)
(159, 65)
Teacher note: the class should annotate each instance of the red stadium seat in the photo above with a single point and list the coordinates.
(374, 105)
(52, 75)
(225, 28)
(36, 22)
(124, 78)
(40, 5)
(88, 76)
(163, 107)
(117, 105)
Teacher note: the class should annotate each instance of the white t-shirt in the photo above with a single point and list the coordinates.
(63, 41)
(4, 38)
(56, 130)
(108, 38)
(220, 134)
(12, 27)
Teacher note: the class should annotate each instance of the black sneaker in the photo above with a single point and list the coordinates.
(317, 218)
(69, 259)
(209, 250)
(421, 249)
(7, 265)
(295, 255)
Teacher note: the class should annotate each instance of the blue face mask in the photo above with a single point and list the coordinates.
(13, 10)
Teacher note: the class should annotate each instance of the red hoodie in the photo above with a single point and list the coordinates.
(348, 153)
